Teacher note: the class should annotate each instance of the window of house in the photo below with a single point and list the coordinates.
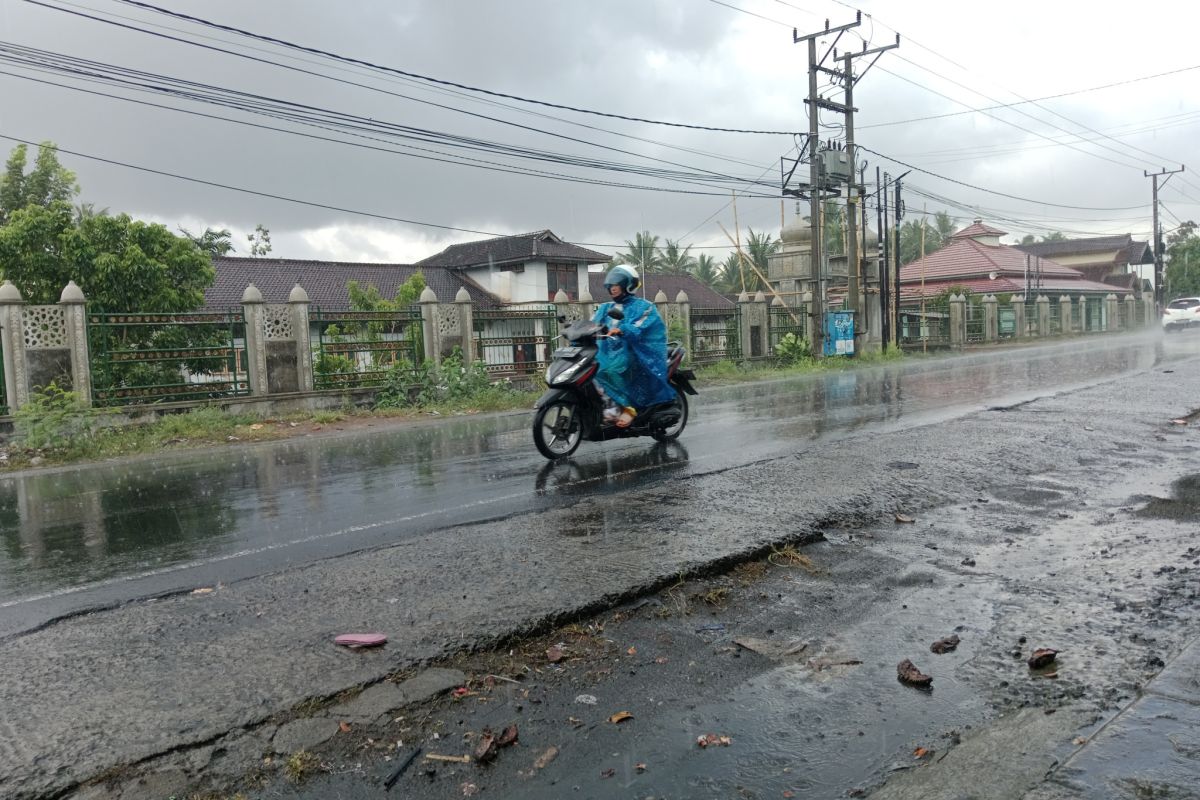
(562, 276)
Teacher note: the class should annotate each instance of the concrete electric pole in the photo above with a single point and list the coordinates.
(1157, 246)
(821, 180)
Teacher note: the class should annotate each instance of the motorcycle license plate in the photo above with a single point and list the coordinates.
(567, 352)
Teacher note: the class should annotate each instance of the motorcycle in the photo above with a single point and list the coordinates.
(572, 409)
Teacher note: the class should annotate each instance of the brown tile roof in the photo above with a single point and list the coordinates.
(700, 295)
(969, 263)
(537, 246)
(325, 281)
(978, 228)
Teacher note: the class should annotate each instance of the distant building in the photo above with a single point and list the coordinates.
(1106, 259)
(975, 260)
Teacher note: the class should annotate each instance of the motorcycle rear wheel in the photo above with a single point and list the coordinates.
(671, 432)
(557, 429)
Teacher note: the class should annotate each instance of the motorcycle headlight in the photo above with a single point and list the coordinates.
(566, 375)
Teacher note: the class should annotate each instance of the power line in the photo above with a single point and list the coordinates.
(294, 200)
(417, 76)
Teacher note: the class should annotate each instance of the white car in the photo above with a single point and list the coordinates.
(1181, 313)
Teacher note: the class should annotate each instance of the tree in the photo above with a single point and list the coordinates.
(1056, 236)
(120, 263)
(676, 261)
(87, 210)
(1182, 274)
(730, 275)
(642, 253)
(707, 271)
(260, 241)
(47, 183)
(215, 243)
(937, 235)
(758, 247)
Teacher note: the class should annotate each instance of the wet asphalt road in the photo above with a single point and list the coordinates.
(184, 682)
(99, 535)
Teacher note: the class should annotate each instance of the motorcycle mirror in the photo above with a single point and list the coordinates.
(562, 319)
(616, 313)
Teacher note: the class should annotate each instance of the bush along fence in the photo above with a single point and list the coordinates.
(960, 321)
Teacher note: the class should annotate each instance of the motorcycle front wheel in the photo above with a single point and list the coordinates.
(557, 429)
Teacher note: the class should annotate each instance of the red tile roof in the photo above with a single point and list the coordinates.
(700, 295)
(978, 229)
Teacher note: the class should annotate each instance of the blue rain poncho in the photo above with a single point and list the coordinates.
(633, 366)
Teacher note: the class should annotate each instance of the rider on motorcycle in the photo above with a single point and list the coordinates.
(633, 357)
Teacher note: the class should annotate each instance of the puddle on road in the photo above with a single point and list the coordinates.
(1183, 506)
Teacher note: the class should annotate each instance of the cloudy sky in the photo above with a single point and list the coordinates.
(375, 146)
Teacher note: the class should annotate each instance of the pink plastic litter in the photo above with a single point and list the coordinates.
(360, 639)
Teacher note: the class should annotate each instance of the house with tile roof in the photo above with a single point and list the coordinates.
(526, 268)
(975, 260)
(1105, 259)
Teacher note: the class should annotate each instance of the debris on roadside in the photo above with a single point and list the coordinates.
(770, 649)
(542, 761)
(711, 628)
(947, 645)
(608, 773)
(586, 699)
(907, 672)
(619, 717)
(1042, 657)
(391, 779)
(355, 641)
(554, 654)
(640, 767)
(713, 740)
(904, 518)
(451, 759)
(968, 562)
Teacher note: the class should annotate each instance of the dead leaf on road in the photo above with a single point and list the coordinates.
(907, 672)
(942, 646)
(486, 749)
(632, 651)
(469, 790)
(204, 590)
(1079, 740)
(640, 767)
(554, 654)
(620, 716)
(608, 773)
(344, 727)
(712, 740)
(904, 518)
(508, 736)
(1042, 657)
(920, 752)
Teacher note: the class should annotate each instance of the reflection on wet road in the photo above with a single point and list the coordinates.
(96, 535)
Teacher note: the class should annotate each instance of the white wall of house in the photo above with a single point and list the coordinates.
(526, 286)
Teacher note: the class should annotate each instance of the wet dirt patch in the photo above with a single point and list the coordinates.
(1182, 506)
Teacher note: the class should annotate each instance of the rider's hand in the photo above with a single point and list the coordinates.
(614, 331)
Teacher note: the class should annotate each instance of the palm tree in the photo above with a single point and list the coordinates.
(730, 275)
(676, 261)
(84, 211)
(214, 242)
(707, 271)
(758, 247)
(642, 253)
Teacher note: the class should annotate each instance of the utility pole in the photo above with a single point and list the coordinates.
(1158, 244)
(853, 197)
(885, 238)
(815, 189)
(899, 213)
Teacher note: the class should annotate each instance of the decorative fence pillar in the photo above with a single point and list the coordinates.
(12, 334)
(1066, 320)
(1018, 309)
(1043, 316)
(755, 317)
(662, 304)
(1112, 316)
(991, 321)
(301, 330)
(256, 347)
(429, 325)
(683, 308)
(75, 312)
(466, 324)
(958, 320)
(1130, 312)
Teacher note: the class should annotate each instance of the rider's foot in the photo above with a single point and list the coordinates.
(626, 418)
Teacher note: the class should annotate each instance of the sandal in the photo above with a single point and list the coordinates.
(626, 418)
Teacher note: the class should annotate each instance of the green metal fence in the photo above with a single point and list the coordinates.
(715, 335)
(149, 358)
(361, 348)
(516, 341)
(783, 320)
(974, 322)
(925, 326)
(4, 409)
(1056, 317)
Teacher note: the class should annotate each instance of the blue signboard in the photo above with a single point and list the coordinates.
(839, 333)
